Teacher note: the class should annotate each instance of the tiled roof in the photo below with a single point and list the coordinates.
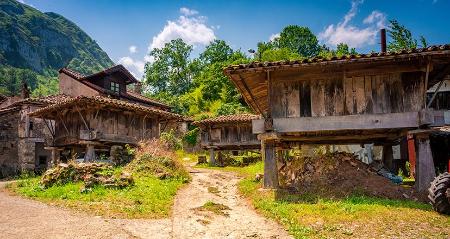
(50, 99)
(9, 109)
(146, 99)
(237, 118)
(72, 73)
(104, 101)
(129, 94)
(432, 50)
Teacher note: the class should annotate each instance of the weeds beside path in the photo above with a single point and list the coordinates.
(225, 214)
(310, 216)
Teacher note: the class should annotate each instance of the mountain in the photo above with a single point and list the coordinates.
(45, 42)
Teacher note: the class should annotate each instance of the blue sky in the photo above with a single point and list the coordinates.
(126, 30)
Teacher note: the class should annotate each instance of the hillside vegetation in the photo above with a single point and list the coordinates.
(38, 44)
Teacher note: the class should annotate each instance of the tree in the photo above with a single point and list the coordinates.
(299, 40)
(216, 51)
(171, 71)
(401, 38)
(11, 80)
(342, 49)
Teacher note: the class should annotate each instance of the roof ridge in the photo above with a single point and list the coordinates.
(318, 59)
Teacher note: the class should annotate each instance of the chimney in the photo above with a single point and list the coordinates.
(24, 91)
(383, 40)
(138, 88)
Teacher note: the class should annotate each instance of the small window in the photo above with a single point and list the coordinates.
(30, 127)
(115, 87)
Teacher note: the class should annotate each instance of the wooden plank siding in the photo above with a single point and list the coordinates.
(229, 136)
(342, 95)
(107, 126)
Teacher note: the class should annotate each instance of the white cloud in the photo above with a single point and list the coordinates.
(193, 30)
(345, 32)
(190, 27)
(136, 67)
(132, 49)
(274, 36)
(188, 12)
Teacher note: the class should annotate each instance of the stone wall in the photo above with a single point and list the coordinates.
(9, 143)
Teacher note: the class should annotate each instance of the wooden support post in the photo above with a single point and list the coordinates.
(212, 159)
(55, 156)
(270, 165)
(90, 153)
(425, 171)
(411, 155)
(388, 158)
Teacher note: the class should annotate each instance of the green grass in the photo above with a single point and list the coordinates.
(357, 216)
(150, 197)
(216, 208)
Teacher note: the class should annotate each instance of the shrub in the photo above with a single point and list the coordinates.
(191, 137)
(170, 140)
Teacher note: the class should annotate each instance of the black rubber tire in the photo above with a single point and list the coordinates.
(439, 193)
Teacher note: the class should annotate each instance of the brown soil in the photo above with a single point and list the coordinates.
(339, 174)
(226, 215)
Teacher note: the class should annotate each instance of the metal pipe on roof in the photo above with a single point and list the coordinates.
(383, 40)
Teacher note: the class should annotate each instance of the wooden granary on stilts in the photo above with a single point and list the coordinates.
(376, 98)
(229, 133)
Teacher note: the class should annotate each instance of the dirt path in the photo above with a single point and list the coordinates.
(24, 218)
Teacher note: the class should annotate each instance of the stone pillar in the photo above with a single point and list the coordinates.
(425, 171)
(90, 153)
(388, 158)
(212, 160)
(270, 165)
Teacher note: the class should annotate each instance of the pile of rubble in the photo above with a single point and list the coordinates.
(90, 173)
(337, 174)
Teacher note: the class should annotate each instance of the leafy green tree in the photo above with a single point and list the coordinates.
(171, 69)
(46, 86)
(401, 37)
(342, 49)
(11, 80)
(217, 51)
(280, 54)
(299, 40)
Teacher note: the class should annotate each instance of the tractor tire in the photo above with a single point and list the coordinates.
(439, 193)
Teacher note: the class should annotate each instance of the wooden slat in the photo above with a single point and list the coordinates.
(349, 95)
(317, 98)
(292, 100)
(347, 122)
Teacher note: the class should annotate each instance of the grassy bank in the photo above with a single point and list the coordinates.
(156, 173)
(357, 216)
(150, 197)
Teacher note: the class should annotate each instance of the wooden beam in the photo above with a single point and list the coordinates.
(251, 95)
(346, 122)
(62, 121)
(82, 118)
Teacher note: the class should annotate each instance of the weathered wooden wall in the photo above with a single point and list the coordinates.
(228, 135)
(339, 95)
(113, 126)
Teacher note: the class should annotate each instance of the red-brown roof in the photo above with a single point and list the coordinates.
(128, 95)
(146, 99)
(45, 100)
(432, 50)
(102, 101)
(236, 118)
